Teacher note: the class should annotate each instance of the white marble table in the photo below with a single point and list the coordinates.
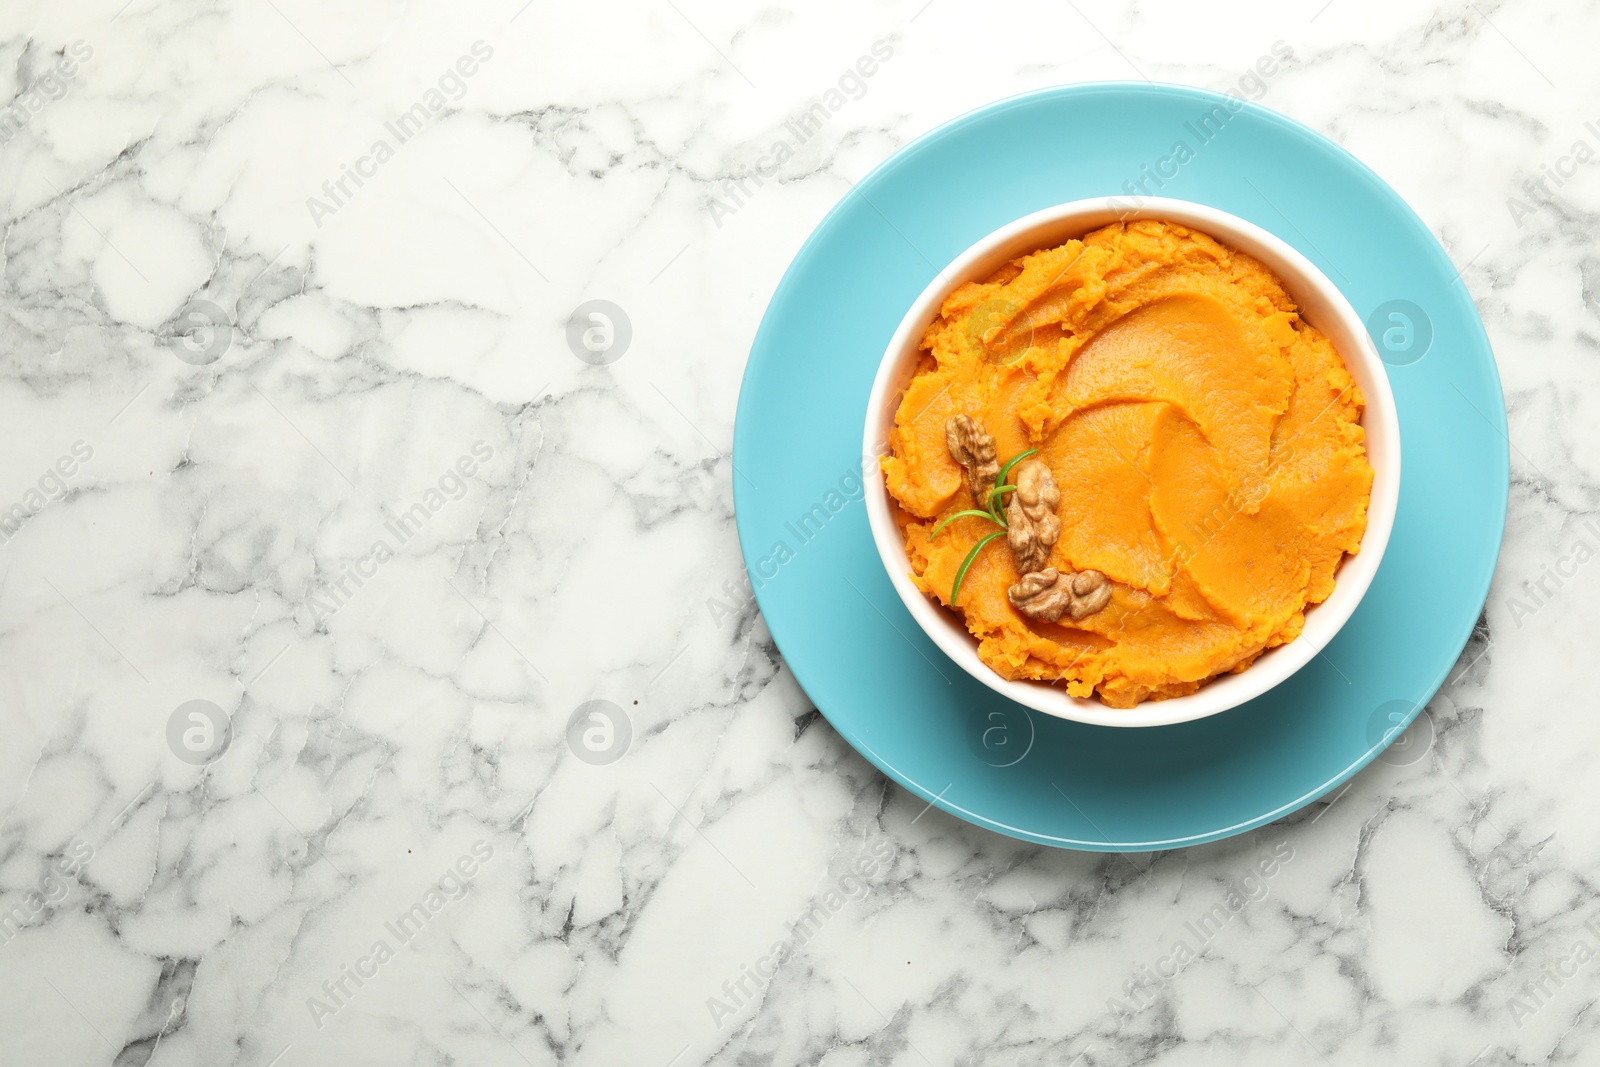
(295, 609)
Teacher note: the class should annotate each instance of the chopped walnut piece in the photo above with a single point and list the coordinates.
(972, 446)
(1041, 595)
(1091, 591)
(1049, 594)
(1031, 515)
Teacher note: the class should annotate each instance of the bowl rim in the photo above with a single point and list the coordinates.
(1320, 302)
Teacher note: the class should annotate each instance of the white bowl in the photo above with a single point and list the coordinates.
(1320, 303)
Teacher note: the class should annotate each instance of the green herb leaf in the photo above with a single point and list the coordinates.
(1012, 462)
(955, 590)
(995, 511)
(962, 514)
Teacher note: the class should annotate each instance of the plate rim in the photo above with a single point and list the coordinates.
(900, 157)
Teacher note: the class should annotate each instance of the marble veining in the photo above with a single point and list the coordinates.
(322, 513)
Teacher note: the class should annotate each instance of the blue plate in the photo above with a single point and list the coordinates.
(889, 690)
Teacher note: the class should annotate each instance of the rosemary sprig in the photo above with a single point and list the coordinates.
(996, 508)
(995, 514)
(955, 590)
(1012, 462)
(973, 512)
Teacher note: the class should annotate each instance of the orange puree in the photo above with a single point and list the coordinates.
(1206, 442)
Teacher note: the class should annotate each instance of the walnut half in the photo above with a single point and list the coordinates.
(1033, 524)
(973, 447)
(1049, 594)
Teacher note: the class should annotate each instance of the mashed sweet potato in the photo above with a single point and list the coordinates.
(1206, 442)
